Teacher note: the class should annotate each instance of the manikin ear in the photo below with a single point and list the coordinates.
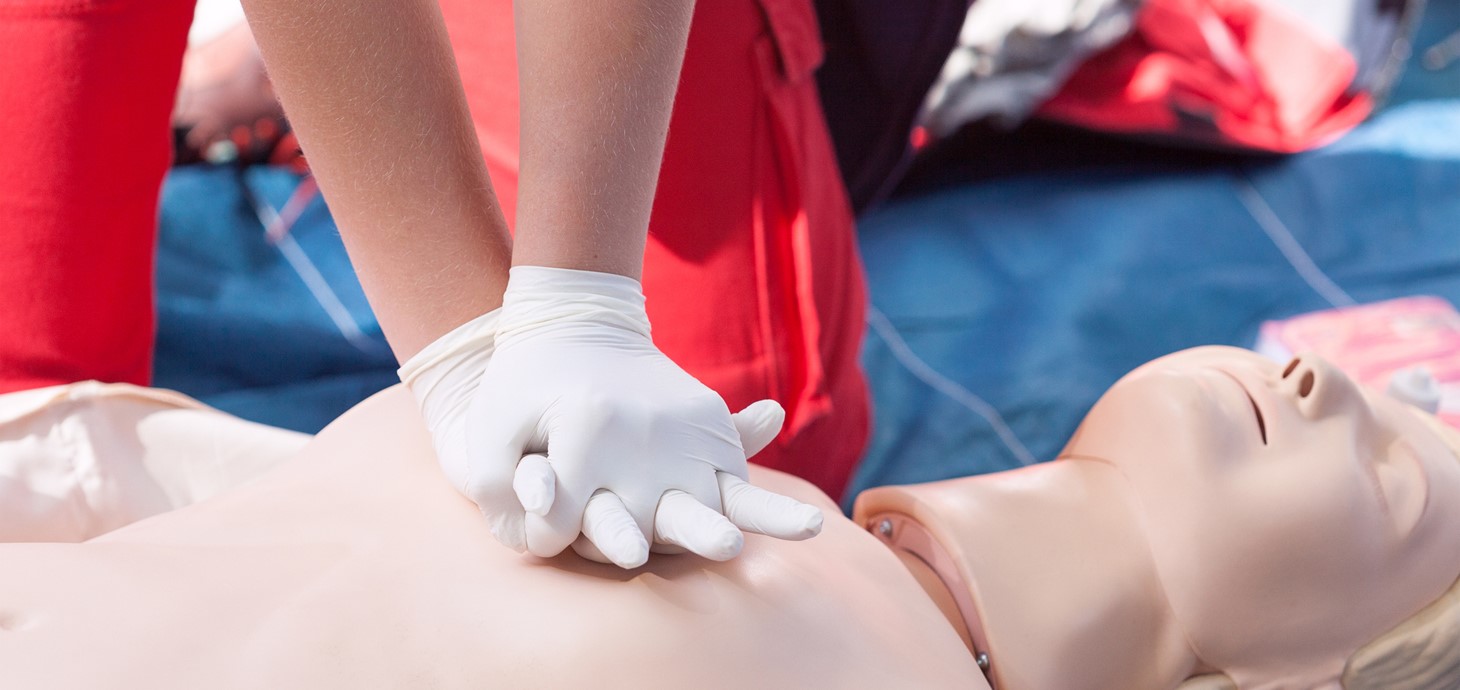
(1402, 479)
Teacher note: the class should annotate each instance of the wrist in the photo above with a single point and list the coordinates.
(441, 375)
(540, 297)
(544, 241)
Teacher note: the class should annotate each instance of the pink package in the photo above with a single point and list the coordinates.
(1372, 341)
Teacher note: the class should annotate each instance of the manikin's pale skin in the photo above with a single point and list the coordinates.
(355, 565)
(1215, 512)
(1177, 538)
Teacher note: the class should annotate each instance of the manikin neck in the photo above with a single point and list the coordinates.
(1045, 570)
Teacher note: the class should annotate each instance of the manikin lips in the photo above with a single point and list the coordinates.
(1256, 411)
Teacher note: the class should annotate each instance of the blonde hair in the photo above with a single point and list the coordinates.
(1422, 653)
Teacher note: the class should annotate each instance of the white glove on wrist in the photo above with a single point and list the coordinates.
(623, 446)
(443, 377)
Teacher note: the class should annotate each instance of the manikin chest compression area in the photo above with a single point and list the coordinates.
(354, 564)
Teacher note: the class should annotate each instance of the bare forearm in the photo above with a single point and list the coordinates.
(598, 81)
(372, 89)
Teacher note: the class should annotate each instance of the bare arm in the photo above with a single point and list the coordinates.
(373, 91)
(372, 88)
(598, 80)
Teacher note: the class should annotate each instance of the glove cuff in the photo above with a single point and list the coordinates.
(441, 375)
(538, 296)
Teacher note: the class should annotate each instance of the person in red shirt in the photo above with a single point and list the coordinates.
(749, 265)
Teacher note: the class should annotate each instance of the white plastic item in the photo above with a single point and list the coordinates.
(83, 459)
(1416, 386)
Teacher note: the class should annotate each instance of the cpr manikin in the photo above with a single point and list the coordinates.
(1189, 536)
(1218, 520)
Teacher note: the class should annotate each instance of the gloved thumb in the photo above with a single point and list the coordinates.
(535, 484)
(758, 425)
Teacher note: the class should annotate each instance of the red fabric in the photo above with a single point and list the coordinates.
(1226, 73)
(752, 276)
(84, 144)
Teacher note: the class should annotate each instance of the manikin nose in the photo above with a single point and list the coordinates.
(1299, 378)
(1317, 388)
(1312, 387)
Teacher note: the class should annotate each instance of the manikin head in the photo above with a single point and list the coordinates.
(1292, 515)
(1215, 513)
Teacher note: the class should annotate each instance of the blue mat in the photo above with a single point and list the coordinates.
(276, 332)
(1005, 306)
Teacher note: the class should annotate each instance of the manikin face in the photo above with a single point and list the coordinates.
(1292, 516)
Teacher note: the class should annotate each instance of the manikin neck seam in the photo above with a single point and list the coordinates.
(910, 536)
(1138, 514)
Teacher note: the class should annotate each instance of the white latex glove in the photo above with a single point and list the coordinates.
(443, 377)
(623, 445)
(680, 521)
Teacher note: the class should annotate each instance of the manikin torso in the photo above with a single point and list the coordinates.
(1215, 516)
(354, 565)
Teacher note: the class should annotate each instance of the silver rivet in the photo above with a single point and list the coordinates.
(884, 528)
(982, 660)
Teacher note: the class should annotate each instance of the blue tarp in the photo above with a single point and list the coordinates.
(239, 326)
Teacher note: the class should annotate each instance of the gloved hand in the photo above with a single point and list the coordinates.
(681, 521)
(622, 444)
(443, 377)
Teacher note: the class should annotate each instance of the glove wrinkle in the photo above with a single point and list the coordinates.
(443, 378)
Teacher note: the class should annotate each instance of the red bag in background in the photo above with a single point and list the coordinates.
(1246, 74)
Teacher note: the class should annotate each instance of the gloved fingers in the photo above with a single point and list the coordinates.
(550, 532)
(535, 484)
(666, 548)
(758, 425)
(505, 517)
(586, 549)
(491, 464)
(548, 535)
(608, 524)
(683, 521)
(754, 509)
